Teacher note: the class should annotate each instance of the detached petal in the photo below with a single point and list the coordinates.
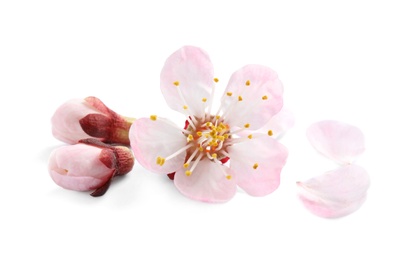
(336, 140)
(336, 193)
(189, 70)
(207, 183)
(257, 163)
(253, 95)
(150, 139)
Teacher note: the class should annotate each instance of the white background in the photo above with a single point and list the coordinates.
(337, 60)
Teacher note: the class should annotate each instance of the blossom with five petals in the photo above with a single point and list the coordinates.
(199, 152)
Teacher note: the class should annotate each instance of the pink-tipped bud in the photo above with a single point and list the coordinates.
(89, 165)
(85, 118)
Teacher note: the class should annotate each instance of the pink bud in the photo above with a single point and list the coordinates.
(89, 165)
(84, 118)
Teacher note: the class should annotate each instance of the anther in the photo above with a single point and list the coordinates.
(250, 136)
(176, 83)
(153, 117)
(199, 133)
(190, 137)
(247, 125)
(239, 98)
(188, 173)
(214, 156)
(228, 177)
(255, 166)
(186, 165)
(264, 97)
(216, 80)
(204, 100)
(185, 107)
(160, 161)
(229, 94)
(248, 83)
(270, 132)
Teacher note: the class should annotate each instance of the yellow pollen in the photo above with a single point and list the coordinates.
(201, 149)
(228, 177)
(255, 166)
(185, 107)
(218, 117)
(226, 136)
(264, 97)
(190, 137)
(270, 132)
(248, 83)
(247, 125)
(250, 136)
(186, 165)
(220, 137)
(239, 98)
(199, 133)
(160, 161)
(153, 117)
(188, 173)
(229, 94)
(214, 156)
(176, 83)
(204, 100)
(216, 80)
(208, 124)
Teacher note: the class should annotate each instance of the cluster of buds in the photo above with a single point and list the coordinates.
(97, 152)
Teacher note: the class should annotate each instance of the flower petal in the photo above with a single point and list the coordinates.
(336, 193)
(207, 183)
(65, 121)
(191, 69)
(336, 140)
(257, 163)
(78, 167)
(253, 95)
(150, 139)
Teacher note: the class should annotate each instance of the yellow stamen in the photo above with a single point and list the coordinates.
(250, 136)
(239, 98)
(204, 100)
(228, 177)
(264, 97)
(248, 83)
(153, 117)
(214, 156)
(270, 132)
(247, 125)
(199, 133)
(176, 83)
(188, 173)
(185, 107)
(160, 161)
(186, 165)
(229, 94)
(190, 137)
(255, 166)
(216, 80)
(217, 117)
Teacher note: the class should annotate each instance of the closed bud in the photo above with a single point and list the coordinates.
(89, 165)
(85, 118)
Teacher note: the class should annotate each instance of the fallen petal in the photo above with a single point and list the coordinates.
(336, 193)
(336, 140)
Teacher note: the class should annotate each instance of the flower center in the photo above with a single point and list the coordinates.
(208, 138)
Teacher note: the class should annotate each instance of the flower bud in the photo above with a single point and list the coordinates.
(89, 165)
(85, 118)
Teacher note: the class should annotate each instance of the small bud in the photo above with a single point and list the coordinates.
(78, 119)
(89, 165)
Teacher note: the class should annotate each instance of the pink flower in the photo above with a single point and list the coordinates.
(87, 118)
(199, 152)
(89, 165)
(342, 191)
